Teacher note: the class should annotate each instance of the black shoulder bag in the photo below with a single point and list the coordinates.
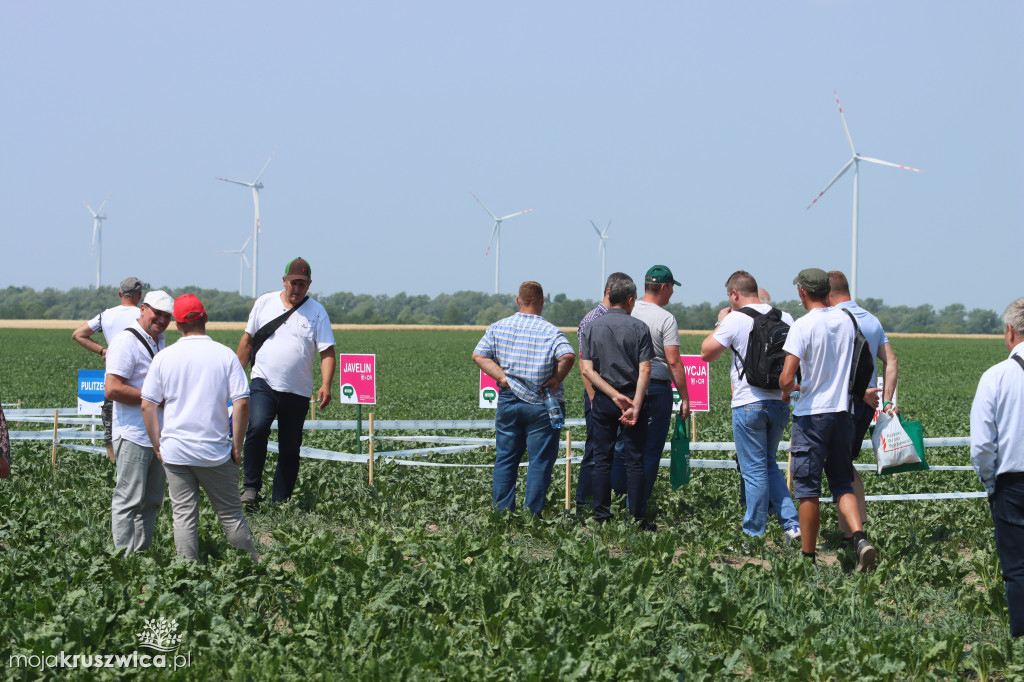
(142, 341)
(264, 332)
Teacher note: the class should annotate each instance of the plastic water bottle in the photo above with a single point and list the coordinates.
(554, 410)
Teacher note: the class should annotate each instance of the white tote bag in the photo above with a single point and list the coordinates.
(893, 446)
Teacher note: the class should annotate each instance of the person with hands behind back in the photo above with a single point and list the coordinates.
(616, 352)
(528, 357)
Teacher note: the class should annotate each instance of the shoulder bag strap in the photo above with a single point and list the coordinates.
(1020, 361)
(264, 332)
(142, 341)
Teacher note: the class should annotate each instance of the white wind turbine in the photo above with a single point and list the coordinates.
(855, 162)
(97, 236)
(496, 237)
(243, 263)
(256, 186)
(601, 247)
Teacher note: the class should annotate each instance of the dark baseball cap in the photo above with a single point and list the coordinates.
(131, 286)
(813, 281)
(298, 268)
(660, 274)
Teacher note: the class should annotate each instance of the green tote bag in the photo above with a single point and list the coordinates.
(679, 472)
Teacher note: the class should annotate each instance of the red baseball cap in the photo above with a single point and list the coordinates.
(188, 308)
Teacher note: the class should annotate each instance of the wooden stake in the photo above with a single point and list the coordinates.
(53, 456)
(370, 460)
(312, 407)
(568, 469)
(693, 427)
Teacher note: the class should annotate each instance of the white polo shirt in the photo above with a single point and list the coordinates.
(285, 360)
(113, 321)
(823, 340)
(196, 376)
(735, 331)
(128, 359)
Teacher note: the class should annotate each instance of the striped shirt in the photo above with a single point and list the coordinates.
(527, 348)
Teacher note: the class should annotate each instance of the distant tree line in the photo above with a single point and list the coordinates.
(465, 308)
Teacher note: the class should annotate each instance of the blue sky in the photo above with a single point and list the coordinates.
(701, 130)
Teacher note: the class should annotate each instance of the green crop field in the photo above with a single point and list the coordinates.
(416, 578)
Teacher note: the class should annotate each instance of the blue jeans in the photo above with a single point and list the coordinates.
(1007, 505)
(757, 429)
(603, 430)
(658, 402)
(521, 427)
(290, 410)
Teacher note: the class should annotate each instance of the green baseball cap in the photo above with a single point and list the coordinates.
(813, 281)
(660, 274)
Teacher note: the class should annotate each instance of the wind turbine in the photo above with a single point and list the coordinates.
(601, 247)
(496, 238)
(97, 236)
(243, 262)
(256, 186)
(855, 162)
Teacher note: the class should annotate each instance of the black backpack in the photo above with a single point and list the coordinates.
(861, 366)
(764, 359)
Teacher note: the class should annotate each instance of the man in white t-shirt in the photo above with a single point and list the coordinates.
(194, 379)
(110, 323)
(864, 409)
(820, 345)
(759, 415)
(139, 490)
(666, 367)
(282, 377)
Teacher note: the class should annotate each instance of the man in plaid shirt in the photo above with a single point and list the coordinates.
(525, 354)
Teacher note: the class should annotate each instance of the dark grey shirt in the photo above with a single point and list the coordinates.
(617, 343)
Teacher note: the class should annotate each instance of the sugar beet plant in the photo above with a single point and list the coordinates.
(415, 577)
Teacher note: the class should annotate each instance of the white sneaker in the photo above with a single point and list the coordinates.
(792, 534)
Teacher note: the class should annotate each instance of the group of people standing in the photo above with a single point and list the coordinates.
(629, 359)
(186, 417)
(167, 420)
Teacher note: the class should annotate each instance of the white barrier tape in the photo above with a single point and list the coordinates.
(62, 420)
(917, 497)
(85, 448)
(75, 434)
(316, 453)
(20, 415)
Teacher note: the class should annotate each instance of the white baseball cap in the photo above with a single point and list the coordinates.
(159, 300)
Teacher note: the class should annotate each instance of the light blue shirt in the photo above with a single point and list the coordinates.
(997, 421)
(527, 348)
(872, 330)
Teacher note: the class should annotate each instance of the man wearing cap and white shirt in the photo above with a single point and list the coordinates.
(997, 453)
(194, 379)
(282, 376)
(139, 490)
(111, 322)
(864, 409)
(759, 415)
(666, 367)
(820, 345)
